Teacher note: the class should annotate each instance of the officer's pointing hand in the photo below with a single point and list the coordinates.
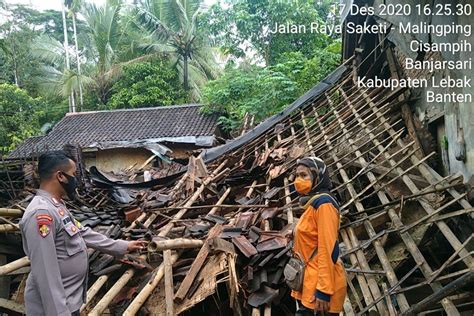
(136, 245)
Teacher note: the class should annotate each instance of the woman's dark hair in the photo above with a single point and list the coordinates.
(52, 161)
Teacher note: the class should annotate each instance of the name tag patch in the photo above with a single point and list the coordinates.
(66, 220)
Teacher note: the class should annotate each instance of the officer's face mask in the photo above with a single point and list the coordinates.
(70, 186)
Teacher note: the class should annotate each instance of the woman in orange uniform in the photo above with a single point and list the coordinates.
(316, 241)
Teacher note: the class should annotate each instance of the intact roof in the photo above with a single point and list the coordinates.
(178, 123)
(27, 147)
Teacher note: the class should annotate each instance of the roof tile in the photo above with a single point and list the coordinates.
(86, 128)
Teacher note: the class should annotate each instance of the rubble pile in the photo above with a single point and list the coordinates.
(218, 228)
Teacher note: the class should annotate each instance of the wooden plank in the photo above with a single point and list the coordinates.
(217, 244)
(407, 239)
(443, 227)
(197, 265)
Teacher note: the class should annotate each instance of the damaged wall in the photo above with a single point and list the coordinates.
(450, 122)
(117, 159)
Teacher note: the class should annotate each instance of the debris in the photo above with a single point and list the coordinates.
(406, 232)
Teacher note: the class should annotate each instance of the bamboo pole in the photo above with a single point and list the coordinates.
(140, 299)
(443, 227)
(359, 254)
(103, 279)
(289, 211)
(220, 201)
(10, 212)
(441, 294)
(215, 174)
(94, 289)
(382, 196)
(230, 206)
(146, 291)
(110, 295)
(117, 287)
(15, 265)
(158, 244)
(268, 310)
(450, 259)
(6, 228)
(255, 312)
(364, 287)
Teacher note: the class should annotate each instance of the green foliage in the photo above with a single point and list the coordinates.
(294, 62)
(159, 52)
(20, 116)
(265, 91)
(144, 85)
(15, 45)
(258, 91)
(307, 72)
(243, 26)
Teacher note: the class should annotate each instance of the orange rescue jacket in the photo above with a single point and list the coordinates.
(324, 275)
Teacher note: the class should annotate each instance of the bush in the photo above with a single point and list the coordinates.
(146, 84)
(20, 116)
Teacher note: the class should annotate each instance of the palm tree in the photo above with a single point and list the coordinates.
(106, 43)
(107, 47)
(171, 27)
(56, 78)
(103, 28)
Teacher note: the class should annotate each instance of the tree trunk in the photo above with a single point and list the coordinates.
(185, 74)
(15, 65)
(77, 59)
(72, 106)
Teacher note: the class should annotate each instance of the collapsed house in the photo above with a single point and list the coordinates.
(217, 228)
(116, 140)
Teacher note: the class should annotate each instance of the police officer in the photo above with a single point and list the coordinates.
(56, 243)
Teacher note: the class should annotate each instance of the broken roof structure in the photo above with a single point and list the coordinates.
(217, 231)
(126, 128)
